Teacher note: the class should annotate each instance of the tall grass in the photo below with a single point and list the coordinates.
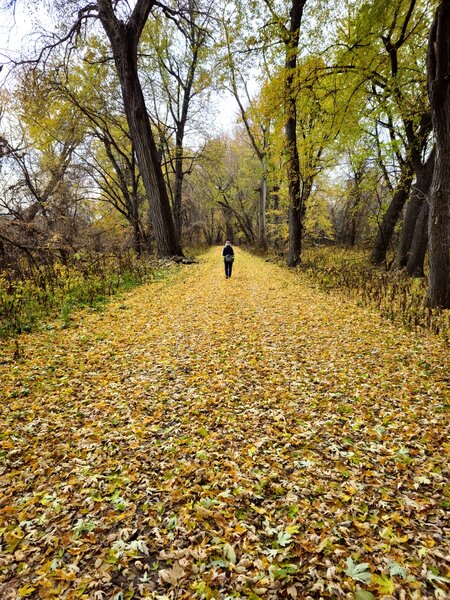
(56, 290)
(393, 294)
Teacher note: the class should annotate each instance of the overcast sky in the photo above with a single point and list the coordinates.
(19, 34)
(17, 28)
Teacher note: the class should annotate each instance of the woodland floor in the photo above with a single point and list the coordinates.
(210, 438)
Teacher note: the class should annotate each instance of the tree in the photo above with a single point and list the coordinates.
(43, 196)
(124, 36)
(438, 63)
(296, 206)
(289, 35)
(357, 197)
(236, 75)
(109, 159)
(123, 27)
(178, 78)
(226, 179)
(416, 125)
(382, 51)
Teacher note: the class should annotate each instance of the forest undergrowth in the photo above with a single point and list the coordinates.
(393, 293)
(210, 438)
(31, 297)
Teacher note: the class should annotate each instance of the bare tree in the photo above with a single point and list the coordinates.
(179, 63)
(257, 132)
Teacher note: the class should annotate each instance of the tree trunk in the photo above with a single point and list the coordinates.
(137, 238)
(414, 206)
(438, 68)
(387, 226)
(416, 255)
(178, 191)
(262, 236)
(438, 246)
(124, 39)
(419, 195)
(296, 207)
(296, 210)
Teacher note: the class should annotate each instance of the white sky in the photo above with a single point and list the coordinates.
(19, 34)
(17, 28)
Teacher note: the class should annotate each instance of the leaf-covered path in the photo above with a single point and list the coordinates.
(212, 438)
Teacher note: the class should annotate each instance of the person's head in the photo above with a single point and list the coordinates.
(227, 243)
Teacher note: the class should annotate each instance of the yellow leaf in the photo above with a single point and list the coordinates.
(229, 553)
(26, 590)
(383, 584)
(14, 536)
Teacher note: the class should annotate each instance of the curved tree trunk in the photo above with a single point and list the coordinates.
(414, 206)
(418, 250)
(438, 63)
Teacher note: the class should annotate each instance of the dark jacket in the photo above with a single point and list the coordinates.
(227, 250)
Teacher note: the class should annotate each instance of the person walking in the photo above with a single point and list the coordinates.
(228, 258)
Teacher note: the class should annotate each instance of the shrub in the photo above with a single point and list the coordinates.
(393, 293)
(56, 289)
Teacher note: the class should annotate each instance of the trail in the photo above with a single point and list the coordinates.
(211, 438)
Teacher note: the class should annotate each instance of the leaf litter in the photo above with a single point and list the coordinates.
(210, 438)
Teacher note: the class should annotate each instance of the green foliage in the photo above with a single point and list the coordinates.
(58, 290)
(384, 86)
(395, 295)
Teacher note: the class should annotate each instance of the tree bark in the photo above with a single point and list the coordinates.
(178, 191)
(387, 226)
(418, 250)
(124, 38)
(419, 195)
(296, 206)
(262, 236)
(438, 69)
